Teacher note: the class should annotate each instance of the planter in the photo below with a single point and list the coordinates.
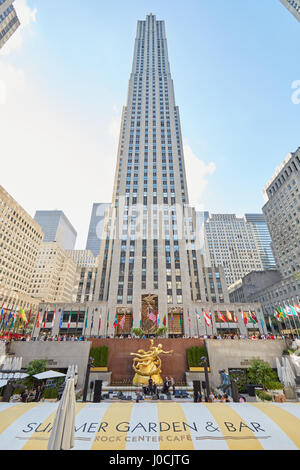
(99, 369)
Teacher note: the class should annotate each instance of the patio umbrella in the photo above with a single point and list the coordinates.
(49, 374)
(62, 434)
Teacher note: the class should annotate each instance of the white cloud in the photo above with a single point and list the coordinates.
(197, 172)
(27, 16)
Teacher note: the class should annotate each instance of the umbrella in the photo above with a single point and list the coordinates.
(50, 374)
(62, 434)
(3, 383)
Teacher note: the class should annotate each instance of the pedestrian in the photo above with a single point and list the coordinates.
(172, 381)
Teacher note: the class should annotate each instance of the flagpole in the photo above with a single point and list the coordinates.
(205, 323)
(197, 324)
(286, 310)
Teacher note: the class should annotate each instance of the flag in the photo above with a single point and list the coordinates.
(228, 315)
(221, 316)
(189, 318)
(151, 315)
(141, 321)
(107, 321)
(270, 321)
(207, 318)
(92, 322)
(38, 320)
(116, 321)
(45, 318)
(252, 318)
(164, 320)
(69, 321)
(297, 307)
(157, 319)
(172, 320)
(281, 312)
(244, 315)
(262, 323)
(295, 314)
(99, 326)
(235, 318)
(53, 319)
(22, 315)
(61, 319)
(29, 316)
(122, 321)
(86, 318)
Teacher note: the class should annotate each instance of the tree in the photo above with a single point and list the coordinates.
(261, 373)
(35, 367)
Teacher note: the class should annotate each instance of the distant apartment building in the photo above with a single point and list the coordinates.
(96, 227)
(86, 274)
(20, 241)
(57, 228)
(240, 245)
(54, 274)
(293, 6)
(281, 287)
(9, 21)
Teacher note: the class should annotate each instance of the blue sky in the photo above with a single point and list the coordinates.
(233, 70)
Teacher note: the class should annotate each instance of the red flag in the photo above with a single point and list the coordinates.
(38, 320)
(122, 321)
(244, 317)
(164, 320)
(45, 319)
(29, 315)
(99, 326)
(207, 318)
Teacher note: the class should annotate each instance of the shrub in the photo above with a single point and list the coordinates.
(138, 332)
(263, 395)
(50, 393)
(261, 373)
(194, 355)
(100, 356)
(274, 385)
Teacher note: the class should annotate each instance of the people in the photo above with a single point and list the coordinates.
(172, 383)
(24, 395)
(199, 397)
(38, 393)
(166, 386)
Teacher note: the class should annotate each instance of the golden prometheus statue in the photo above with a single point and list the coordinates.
(147, 364)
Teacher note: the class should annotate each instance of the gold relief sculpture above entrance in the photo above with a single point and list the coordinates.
(147, 364)
(149, 309)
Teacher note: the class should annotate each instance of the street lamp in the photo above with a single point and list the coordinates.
(207, 387)
(87, 376)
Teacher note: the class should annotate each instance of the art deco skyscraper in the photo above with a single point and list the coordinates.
(149, 260)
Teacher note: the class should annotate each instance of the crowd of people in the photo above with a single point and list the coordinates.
(45, 337)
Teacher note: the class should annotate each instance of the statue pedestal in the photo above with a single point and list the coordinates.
(191, 376)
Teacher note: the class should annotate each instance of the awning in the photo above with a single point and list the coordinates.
(157, 426)
(50, 374)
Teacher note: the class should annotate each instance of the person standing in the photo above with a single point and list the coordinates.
(172, 382)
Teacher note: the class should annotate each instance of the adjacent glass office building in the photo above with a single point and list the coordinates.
(57, 228)
(9, 21)
(96, 227)
(293, 6)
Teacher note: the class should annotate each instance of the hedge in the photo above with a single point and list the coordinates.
(194, 355)
(100, 356)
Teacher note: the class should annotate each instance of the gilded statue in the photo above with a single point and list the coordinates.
(147, 364)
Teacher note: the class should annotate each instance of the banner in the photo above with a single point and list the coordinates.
(151, 426)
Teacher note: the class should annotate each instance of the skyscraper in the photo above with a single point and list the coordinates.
(96, 227)
(293, 6)
(149, 261)
(9, 21)
(240, 245)
(57, 228)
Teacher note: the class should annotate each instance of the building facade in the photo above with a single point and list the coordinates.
(96, 227)
(57, 228)
(9, 21)
(54, 274)
(240, 245)
(293, 6)
(86, 275)
(20, 241)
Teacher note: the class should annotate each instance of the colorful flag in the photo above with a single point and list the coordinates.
(29, 316)
(157, 319)
(228, 315)
(295, 314)
(107, 321)
(116, 321)
(69, 321)
(38, 320)
(151, 316)
(172, 320)
(99, 326)
(45, 318)
(297, 307)
(207, 318)
(221, 316)
(244, 315)
(22, 315)
(86, 318)
(61, 319)
(53, 319)
(164, 320)
(235, 318)
(252, 318)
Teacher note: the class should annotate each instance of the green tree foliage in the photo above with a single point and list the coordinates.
(261, 373)
(35, 367)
